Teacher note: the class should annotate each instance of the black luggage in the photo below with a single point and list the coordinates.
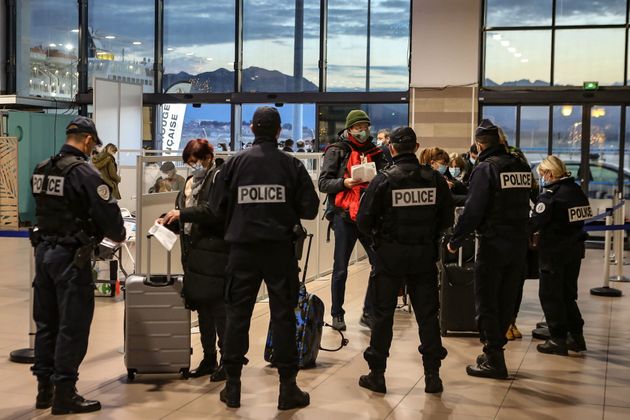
(457, 295)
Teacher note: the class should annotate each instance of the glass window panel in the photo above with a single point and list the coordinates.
(604, 151)
(534, 135)
(505, 117)
(567, 136)
(347, 45)
(280, 48)
(626, 161)
(180, 123)
(599, 57)
(572, 12)
(199, 44)
(47, 50)
(292, 117)
(518, 58)
(518, 13)
(120, 46)
(332, 119)
(389, 45)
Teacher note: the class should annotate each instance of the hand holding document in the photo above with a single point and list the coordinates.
(364, 172)
(165, 237)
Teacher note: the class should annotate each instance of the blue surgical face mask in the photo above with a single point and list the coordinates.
(543, 182)
(198, 169)
(442, 169)
(455, 171)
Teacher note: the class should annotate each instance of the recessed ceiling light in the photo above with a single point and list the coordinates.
(505, 43)
(52, 45)
(189, 53)
(497, 37)
(137, 43)
(209, 58)
(110, 37)
(76, 31)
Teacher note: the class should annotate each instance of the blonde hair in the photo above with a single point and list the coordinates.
(554, 165)
(502, 136)
(433, 153)
(458, 159)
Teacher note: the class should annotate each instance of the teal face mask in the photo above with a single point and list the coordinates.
(361, 136)
(455, 172)
(442, 169)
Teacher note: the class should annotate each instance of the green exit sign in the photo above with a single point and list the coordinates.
(591, 85)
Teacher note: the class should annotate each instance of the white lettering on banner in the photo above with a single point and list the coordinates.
(54, 185)
(254, 194)
(171, 125)
(516, 180)
(413, 197)
(578, 214)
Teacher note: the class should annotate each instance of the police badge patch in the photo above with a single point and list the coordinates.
(103, 192)
(540, 207)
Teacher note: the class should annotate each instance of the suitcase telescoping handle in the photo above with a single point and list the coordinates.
(308, 254)
(150, 281)
(460, 251)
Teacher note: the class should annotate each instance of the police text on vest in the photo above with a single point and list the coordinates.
(254, 194)
(516, 180)
(577, 214)
(54, 185)
(413, 197)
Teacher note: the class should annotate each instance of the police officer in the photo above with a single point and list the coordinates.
(403, 210)
(497, 208)
(75, 211)
(559, 216)
(263, 193)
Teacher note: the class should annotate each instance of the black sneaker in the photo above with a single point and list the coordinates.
(366, 320)
(576, 342)
(219, 374)
(338, 323)
(554, 346)
(433, 383)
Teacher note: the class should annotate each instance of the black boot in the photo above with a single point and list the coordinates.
(291, 396)
(576, 342)
(367, 320)
(231, 394)
(206, 367)
(67, 401)
(374, 381)
(219, 374)
(44, 394)
(432, 382)
(492, 366)
(481, 359)
(554, 346)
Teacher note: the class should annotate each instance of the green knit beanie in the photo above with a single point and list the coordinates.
(356, 116)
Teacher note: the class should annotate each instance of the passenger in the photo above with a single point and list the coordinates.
(353, 147)
(105, 162)
(300, 146)
(497, 209)
(382, 141)
(471, 160)
(263, 193)
(439, 160)
(169, 173)
(404, 210)
(288, 146)
(75, 211)
(204, 254)
(456, 166)
(559, 216)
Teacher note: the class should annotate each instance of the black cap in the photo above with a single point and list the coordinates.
(487, 129)
(266, 118)
(403, 135)
(83, 125)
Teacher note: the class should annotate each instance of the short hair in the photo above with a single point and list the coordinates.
(433, 153)
(554, 165)
(404, 147)
(288, 142)
(458, 160)
(200, 149)
(384, 131)
(111, 148)
(473, 148)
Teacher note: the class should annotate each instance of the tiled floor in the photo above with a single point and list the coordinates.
(593, 386)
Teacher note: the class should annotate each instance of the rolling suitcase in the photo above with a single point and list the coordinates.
(309, 316)
(457, 294)
(157, 325)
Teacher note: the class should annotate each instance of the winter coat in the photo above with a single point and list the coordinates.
(106, 165)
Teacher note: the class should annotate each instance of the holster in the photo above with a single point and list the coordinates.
(83, 254)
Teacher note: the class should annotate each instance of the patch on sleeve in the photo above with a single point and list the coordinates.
(540, 207)
(103, 192)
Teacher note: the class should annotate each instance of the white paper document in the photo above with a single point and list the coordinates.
(165, 237)
(364, 172)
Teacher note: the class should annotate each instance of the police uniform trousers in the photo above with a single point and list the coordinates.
(415, 266)
(498, 274)
(558, 290)
(248, 265)
(346, 236)
(63, 308)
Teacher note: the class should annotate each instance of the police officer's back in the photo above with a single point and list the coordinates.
(497, 208)
(403, 210)
(75, 210)
(264, 193)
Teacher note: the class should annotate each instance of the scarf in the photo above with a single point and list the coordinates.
(192, 190)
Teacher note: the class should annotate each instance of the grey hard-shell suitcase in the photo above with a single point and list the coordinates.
(157, 324)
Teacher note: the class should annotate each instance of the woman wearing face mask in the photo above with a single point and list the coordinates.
(204, 253)
(439, 160)
(559, 217)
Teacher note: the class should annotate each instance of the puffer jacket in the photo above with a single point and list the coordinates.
(106, 165)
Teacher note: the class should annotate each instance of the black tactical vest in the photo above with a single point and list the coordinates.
(510, 202)
(55, 215)
(412, 205)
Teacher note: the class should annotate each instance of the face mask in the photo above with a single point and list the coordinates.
(543, 182)
(379, 143)
(361, 135)
(472, 160)
(198, 169)
(455, 172)
(442, 169)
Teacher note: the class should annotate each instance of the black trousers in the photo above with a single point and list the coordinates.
(395, 266)
(211, 324)
(63, 309)
(558, 291)
(248, 265)
(498, 275)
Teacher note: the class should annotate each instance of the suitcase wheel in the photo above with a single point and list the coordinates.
(185, 373)
(131, 374)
